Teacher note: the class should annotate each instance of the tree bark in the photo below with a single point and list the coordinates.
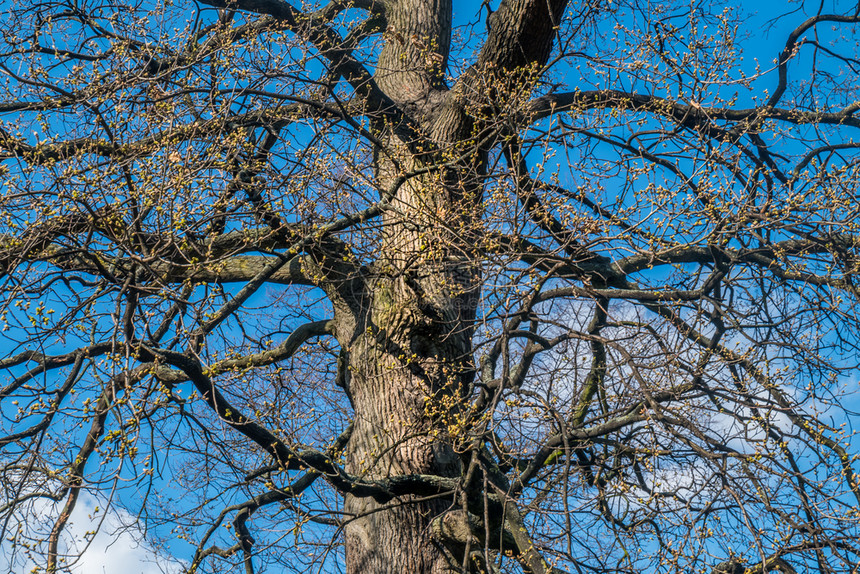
(408, 336)
(394, 434)
(411, 339)
(410, 360)
(409, 367)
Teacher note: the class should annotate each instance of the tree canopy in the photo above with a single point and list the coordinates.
(399, 286)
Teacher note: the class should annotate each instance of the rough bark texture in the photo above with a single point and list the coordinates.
(394, 435)
(409, 352)
(410, 337)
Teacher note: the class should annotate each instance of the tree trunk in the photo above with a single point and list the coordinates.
(410, 364)
(394, 434)
(408, 336)
(410, 352)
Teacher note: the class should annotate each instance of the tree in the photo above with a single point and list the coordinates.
(570, 288)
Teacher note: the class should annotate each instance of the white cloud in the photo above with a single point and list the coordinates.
(107, 541)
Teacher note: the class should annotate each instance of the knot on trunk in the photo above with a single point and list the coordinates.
(733, 566)
(457, 527)
(736, 566)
